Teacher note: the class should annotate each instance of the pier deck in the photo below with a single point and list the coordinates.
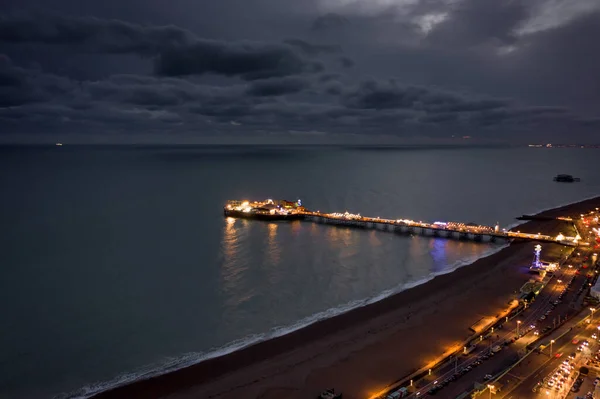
(447, 230)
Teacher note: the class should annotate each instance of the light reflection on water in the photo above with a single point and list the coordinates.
(438, 254)
(273, 249)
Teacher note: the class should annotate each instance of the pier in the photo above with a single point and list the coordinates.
(451, 230)
(270, 210)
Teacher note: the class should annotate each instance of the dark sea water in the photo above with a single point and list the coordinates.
(116, 262)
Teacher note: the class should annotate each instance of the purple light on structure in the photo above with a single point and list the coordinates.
(440, 223)
(536, 255)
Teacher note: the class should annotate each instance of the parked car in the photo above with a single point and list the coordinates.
(330, 394)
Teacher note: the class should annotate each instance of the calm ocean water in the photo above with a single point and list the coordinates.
(116, 262)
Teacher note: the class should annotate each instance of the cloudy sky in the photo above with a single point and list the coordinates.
(508, 70)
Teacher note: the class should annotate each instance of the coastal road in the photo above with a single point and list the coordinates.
(512, 353)
(528, 382)
(537, 368)
(509, 354)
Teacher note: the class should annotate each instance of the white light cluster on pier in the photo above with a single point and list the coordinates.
(346, 215)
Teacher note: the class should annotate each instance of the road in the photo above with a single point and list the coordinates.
(530, 380)
(493, 365)
(521, 381)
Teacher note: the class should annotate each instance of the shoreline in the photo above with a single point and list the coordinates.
(356, 337)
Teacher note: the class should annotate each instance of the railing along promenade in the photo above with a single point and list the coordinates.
(446, 230)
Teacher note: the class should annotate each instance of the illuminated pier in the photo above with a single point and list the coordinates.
(286, 210)
(454, 230)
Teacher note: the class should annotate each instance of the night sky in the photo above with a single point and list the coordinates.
(507, 70)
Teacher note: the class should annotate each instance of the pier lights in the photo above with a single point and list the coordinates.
(518, 324)
(551, 342)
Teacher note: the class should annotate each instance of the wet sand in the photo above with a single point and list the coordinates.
(363, 350)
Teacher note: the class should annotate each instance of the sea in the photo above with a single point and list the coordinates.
(116, 262)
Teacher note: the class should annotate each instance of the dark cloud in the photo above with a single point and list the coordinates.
(346, 62)
(561, 63)
(92, 34)
(247, 60)
(434, 106)
(431, 67)
(326, 77)
(329, 21)
(168, 103)
(374, 94)
(20, 86)
(334, 88)
(277, 86)
(313, 49)
(178, 52)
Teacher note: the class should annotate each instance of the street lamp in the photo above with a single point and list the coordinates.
(518, 324)
(593, 310)
(551, 342)
(490, 387)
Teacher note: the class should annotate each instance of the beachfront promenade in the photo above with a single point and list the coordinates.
(437, 229)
